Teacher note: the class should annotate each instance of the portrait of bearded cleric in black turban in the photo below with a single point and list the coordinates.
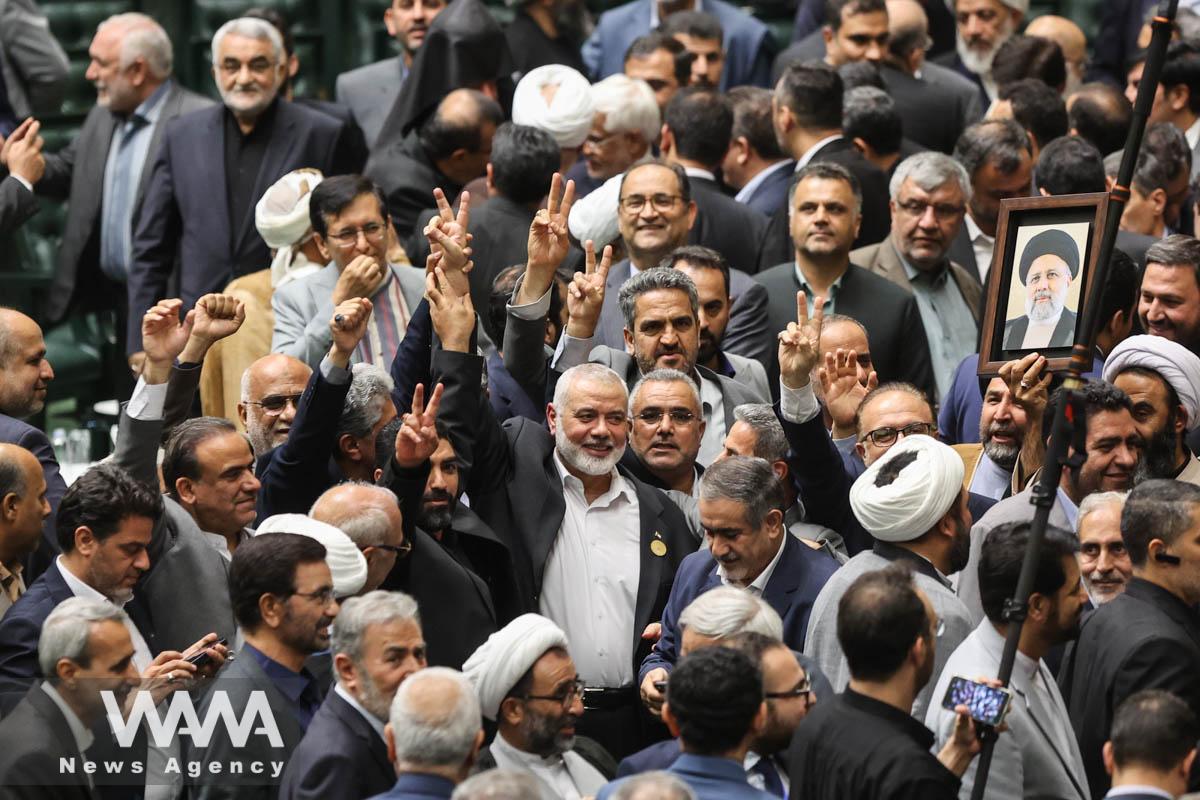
(1042, 308)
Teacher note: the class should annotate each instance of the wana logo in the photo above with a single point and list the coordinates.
(182, 720)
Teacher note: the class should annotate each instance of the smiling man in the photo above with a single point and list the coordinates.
(271, 391)
(1103, 558)
(667, 429)
(1169, 302)
(1049, 264)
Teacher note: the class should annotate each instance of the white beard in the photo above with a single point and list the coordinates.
(573, 455)
(981, 62)
(1046, 312)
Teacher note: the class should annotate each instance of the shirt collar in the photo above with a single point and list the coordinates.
(79, 732)
(746, 192)
(151, 107)
(698, 172)
(697, 5)
(833, 287)
(759, 584)
(993, 642)
(78, 587)
(1192, 134)
(935, 278)
(221, 544)
(974, 232)
(1121, 791)
(372, 720)
(617, 488)
(530, 760)
(803, 160)
(291, 684)
(1069, 509)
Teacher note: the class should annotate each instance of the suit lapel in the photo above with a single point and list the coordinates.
(546, 520)
(786, 577)
(893, 270)
(360, 727)
(210, 171)
(281, 148)
(170, 109)
(1036, 715)
(650, 572)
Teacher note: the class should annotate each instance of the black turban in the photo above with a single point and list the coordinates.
(1051, 243)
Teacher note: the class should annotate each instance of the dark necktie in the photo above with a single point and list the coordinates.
(772, 783)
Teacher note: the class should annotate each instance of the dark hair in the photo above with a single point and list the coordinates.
(827, 171)
(834, 9)
(1178, 249)
(879, 618)
(1000, 564)
(1120, 291)
(1182, 68)
(179, 455)
(333, 195)
(1038, 108)
(1157, 509)
(999, 142)
(870, 114)
(651, 43)
(751, 107)
(860, 73)
(1152, 173)
(1168, 144)
(701, 122)
(892, 467)
(697, 24)
(1153, 728)
(385, 441)
(266, 564)
(752, 644)
(101, 499)
(1069, 165)
(697, 256)
(524, 159)
(681, 178)
(1030, 57)
(442, 133)
(813, 91)
(1097, 396)
(714, 694)
(1101, 114)
(496, 319)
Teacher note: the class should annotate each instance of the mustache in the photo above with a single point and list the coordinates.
(436, 494)
(1002, 428)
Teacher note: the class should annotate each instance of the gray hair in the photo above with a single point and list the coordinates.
(1112, 163)
(653, 786)
(655, 279)
(749, 482)
(146, 39)
(596, 372)
(368, 526)
(727, 610)
(1099, 500)
(372, 608)
(498, 784)
(370, 388)
(628, 104)
(434, 734)
(999, 142)
(66, 632)
(830, 320)
(251, 28)
(930, 171)
(1178, 249)
(770, 442)
(664, 375)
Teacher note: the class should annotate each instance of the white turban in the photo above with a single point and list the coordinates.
(567, 116)
(346, 564)
(281, 217)
(1177, 365)
(499, 663)
(919, 496)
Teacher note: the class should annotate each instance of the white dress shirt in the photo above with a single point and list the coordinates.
(551, 772)
(759, 584)
(590, 582)
(141, 651)
(982, 244)
(990, 479)
(803, 160)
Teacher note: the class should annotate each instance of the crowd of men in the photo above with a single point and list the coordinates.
(593, 408)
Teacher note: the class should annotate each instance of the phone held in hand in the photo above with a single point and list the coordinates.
(201, 658)
(986, 704)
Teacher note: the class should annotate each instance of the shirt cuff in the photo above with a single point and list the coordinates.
(846, 445)
(532, 311)
(22, 181)
(572, 352)
(332, 373)
(798, 405)
(147, 401)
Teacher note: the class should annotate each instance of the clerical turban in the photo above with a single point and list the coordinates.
(1050, 242)
(915, 499)
(499, 663)
(281, 217)
(346, 563)
(567, 115)
(1177, 365)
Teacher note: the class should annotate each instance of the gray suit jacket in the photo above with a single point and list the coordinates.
(1031, 759)
(17, 204)
(751, 373)
(33, 64)
(303, 309)
(76, 174)
(370, 92)
(883, 259)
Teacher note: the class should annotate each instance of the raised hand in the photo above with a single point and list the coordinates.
(842, 390)
(360, 278)
(417, 438)
(164, 337)
(548, 240)
(800, 343)
(585, 293)
(22, 152)
(452, 314)
(1030, 389)
(217, 317)
(349, 325)
(448, 236)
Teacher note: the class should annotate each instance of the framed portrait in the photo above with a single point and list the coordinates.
(1041, 274)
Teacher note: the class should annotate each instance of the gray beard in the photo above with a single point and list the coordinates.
(1004, 455)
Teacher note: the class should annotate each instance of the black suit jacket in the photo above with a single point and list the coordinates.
(515, 487)
(1147, 638)
(930, 116)
(34, 740)
(185, 214)
(876, 216)
(17, 204)
(1063, 336)
(19, 632)
(408, 177)
(899, 350)
(14, 431)
(950, 60)
(341, 757)
(731, 228)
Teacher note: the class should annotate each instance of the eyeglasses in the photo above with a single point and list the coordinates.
(566, 698)
(275, 404)
(941, 211)
(653, 416)
(886, 437)
(634, 203)
(373, 231)
(400, 550)
(322, 596)
(802, 689)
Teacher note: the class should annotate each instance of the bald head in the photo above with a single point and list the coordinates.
(908, 33)
(370, 516)
(23, 504)
(434, 724)
(25, 374)
(271, 389)
(458, 137)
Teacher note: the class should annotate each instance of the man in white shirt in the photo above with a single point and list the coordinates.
(1151, 748)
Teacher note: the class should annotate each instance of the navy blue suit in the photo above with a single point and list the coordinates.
(412, 786)
(506, 396)
(341, 757)
(19, 632)
(710, 777)
(791, 591)
(771, 195)
(14, 431)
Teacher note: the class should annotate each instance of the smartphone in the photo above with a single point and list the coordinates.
(987, 704)
(201, 658)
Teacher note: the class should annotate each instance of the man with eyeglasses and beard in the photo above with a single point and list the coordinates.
(270, 398)
(527, 684)
(1162, 378)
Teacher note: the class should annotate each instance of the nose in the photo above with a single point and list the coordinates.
(1131, 92)
(648, 210)
(1004, 409)
(47, 371)
(1127, 456)
(973, 26)
(252, 484)
(332, 604)
(93, 71)
(666, 425)
(142, 561)
(577, 705)
(874, 52)
(1104, 562)
(437, 480)
(669, 335)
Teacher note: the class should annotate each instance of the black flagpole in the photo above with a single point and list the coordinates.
(1068, 431)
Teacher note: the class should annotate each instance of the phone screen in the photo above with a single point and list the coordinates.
(986, 704)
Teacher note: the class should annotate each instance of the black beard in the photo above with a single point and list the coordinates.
(543, 737)
(432, 520)
(1158, 457)
(961, 553)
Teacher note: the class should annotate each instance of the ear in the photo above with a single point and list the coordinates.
(391, 744)
(66, 669)
(1181, 419)
(86, 542)
(860, 144)
(343, 667)
(629, 340)
(347, 446)
(1177, 97)
(270, 608)
(242, 411)
(741, 148)
(760, 719)
(510, 711)
(774, 520)
(1185, 768)
(323, 246)
(861, 450)
(666, 140)
(8, 506)
(378, 474)
(691, 213)
(780, 468)
(1158, 199)
(669, 720)
(1110, 764)
(388, 22)
(1039, 606)
(551, 418)
(293, 65)
(491, 180)
(827, 35)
